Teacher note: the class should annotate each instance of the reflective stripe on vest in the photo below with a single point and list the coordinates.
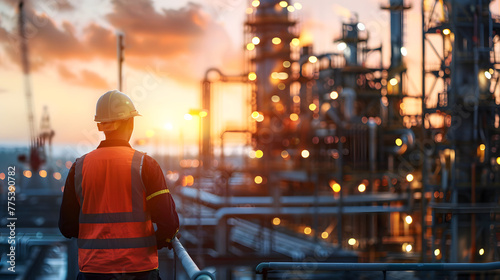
(112, 213)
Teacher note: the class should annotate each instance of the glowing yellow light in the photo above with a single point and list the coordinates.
(291, 9)
(249, 11)
(487, 74)
(255, 40)
(297, 6)
(203, 113)
(498, 160)
(57, 175)
(258, 180)
(259, 154)
(481, 251)
(296, 99)
(255, 3)
(284, 154)
(399, 142)
(255, 114)
(150, 133)
(351, 241)
(294, 117)
(276, 41)
(336, 187)
(409, 177)
(42, 173)
(275, 98)
(408, 219)
(404, 52)
(334, 95)
(305, 153)
(393, 81)
(313, 59)
(362, 187)
(408, 248)
(295, 42)
(252, 76)
(286, 64)
(446, 31)
(491, 71)
(251, 154)
(307, 230)
(276, 221)
(437, 252)
(281, 86)
(482, 147)
(312, 106)
(282, 75)
(260, 118)
(324, 235)
(250, 46)
(283, 4)
(187, 117)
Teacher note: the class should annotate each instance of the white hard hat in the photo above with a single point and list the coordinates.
(114, 106)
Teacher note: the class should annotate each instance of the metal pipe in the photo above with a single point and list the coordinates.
(188, 264)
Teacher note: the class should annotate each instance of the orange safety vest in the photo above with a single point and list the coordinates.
(116, 234)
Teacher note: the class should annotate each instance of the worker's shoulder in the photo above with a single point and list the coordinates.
(148, 160)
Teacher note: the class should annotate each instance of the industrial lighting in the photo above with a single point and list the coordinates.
(282, 75)
(408, 248)
(481, 251)
(305, 153)
(409, 177)
(295, 42)
(276, 40)
(335, 186)
(294, 117)
(393, 81)
(408, 219)
(203, 113)
(399, 142)
(404, 51)
(362, 187)
(296, 99)
(487, 74)
(307, 230)
(250, 46)
(251, 154)
(297, 6)
(446, 31)
(255, 114)
(437, 252)
(275, 98)
(258, 180)
(283, 4)
(334, 95)
(281, 86)
(291, 9)
(341, 46)
(482, 147)
(351, 241)
(68, 164)
(27, 173)
(498, 160)
(259, 154)
(255, 40)
(361, 26)
(313, 59)
(286, 64)
(42, 173)
(2, 176)
(56, 175)
(255, 3)
(312, 106)
(284, 154)
(252, 76)
(276, 221)
(274, 75)
(187, 117)
(324, 235)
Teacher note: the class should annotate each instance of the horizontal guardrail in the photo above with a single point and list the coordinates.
(265, 267)
(188, 264)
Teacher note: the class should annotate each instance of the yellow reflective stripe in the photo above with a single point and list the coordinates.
(169, 240)
(157, 193)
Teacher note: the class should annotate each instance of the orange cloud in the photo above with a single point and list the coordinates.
(84, 78)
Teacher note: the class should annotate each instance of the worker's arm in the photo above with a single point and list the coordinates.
(159, 202)
(70, 208)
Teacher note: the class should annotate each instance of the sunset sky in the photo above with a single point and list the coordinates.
(169, 45)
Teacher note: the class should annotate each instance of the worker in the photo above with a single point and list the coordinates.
(111, 199)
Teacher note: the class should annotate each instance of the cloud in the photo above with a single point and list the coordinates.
(84, 78)
(182, 42)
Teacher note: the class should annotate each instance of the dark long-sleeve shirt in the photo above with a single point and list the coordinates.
(161, 207)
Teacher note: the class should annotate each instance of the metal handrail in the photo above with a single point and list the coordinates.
(264, 267)
(188, 264)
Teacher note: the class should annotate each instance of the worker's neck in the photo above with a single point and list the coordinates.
(118, 136)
